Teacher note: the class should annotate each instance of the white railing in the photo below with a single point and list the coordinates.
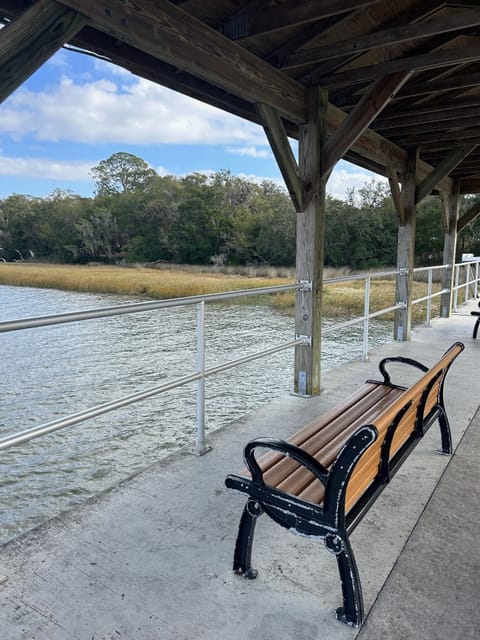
(469, 283)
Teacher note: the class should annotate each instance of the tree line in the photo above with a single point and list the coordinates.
(138, 216)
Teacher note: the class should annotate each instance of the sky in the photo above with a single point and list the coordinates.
(77, 110)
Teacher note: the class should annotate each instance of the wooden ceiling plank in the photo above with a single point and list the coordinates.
(423, 29)
(173, 36)
(453, 137)
(455, 123)
(440, 171)
(414, 89)
(359, 119)
(434, 59)
(427, 117)
(30, 40)
(278, 139)
(296, 12)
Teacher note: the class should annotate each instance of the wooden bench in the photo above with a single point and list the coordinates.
(323, 480)
(477, 322)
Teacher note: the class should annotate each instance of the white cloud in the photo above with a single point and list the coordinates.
(45, 168)
(342, 180)
(106, 111)
(251, 151)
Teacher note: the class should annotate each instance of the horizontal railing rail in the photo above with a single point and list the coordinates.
(202, 372)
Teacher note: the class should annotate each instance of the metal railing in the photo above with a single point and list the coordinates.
(470, 271)
(200, 447)
(201, 374)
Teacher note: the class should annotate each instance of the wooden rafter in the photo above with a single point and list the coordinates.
(464, 53)
(33, 38)
(443, 169)
(359, 119)
(431, 26)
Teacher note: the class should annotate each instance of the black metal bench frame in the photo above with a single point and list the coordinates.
(477, 322)
(329, 521)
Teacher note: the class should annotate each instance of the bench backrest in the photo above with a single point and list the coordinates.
(403, 422)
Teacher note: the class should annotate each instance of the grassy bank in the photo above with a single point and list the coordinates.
(340, 299)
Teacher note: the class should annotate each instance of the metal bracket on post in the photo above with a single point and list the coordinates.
(305, 285)
(306, 340)
(401, 305)
(403, 271)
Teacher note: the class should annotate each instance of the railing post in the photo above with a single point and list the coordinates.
(366, 313)
(455, 291)
(429, 300)
(475, 286)
(200, 442)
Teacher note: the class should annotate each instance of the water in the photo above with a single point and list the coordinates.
(55, 371)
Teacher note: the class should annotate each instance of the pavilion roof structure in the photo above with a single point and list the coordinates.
(400, 74)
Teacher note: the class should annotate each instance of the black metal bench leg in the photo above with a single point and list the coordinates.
(352, 611)
(445, 433)
(242, 561)
(475, 328)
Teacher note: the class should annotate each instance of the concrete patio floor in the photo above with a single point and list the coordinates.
(151, 559)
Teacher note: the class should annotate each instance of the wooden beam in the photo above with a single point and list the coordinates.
(278, 139)
(360, 118)
(431, 26)
(396, 193)
(406, 250)
(443, 169)
(431, 60)
(468, 216)
(30, 40)
(310, 245)
(173, 36)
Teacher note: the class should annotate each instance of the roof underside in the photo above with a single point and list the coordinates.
(419, 58)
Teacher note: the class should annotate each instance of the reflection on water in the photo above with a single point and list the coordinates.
(55, 371)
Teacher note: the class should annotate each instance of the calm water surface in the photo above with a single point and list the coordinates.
(55, 371)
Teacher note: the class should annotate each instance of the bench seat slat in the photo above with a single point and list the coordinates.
(327, 442)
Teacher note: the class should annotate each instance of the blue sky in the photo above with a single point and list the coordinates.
(77, 110)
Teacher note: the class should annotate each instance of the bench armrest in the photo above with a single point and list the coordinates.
(383, 366)
(289, 450)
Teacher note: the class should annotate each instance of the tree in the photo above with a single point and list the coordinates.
(122, 173)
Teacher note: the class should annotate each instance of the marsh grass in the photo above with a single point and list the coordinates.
(343, 299)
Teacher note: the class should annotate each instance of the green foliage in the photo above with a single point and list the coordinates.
(139, 216)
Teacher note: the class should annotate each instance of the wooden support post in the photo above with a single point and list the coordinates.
(451, 204)
(29, 41)
(310, 244)
(406, 250)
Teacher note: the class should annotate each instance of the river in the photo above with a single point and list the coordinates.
(55, 371)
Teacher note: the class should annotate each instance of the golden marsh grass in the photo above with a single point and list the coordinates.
(343, 299)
